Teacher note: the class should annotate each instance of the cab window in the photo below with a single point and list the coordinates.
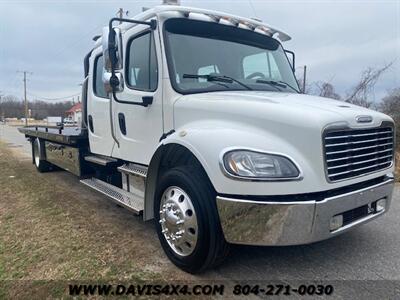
(261, 63)
(142, 72)
(98, 86)
(207, 70)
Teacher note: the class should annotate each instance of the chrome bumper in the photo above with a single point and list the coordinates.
(293, 223)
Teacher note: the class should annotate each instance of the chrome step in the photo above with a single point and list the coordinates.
(101, 160)
(129, 200)
(133, 169)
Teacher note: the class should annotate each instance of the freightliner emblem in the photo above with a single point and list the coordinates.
(364, 119)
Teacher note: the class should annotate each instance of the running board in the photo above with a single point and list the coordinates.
(129, 200)
(133, 169)
(101, 160)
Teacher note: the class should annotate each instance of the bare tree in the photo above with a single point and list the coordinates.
(308, 87)
(360, 93)
(391, 105)
(327, 90)
(12, 107)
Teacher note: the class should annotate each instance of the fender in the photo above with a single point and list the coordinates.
(207, 140)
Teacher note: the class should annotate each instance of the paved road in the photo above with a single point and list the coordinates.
(370, 252)
(15, 139)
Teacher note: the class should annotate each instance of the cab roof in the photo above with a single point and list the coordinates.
(170, 11)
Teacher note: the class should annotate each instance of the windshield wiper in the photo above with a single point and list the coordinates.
(277, 84)
(287, 84)
(220, 78)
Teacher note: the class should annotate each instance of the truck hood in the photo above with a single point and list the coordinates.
(286, 108)
(284, 123)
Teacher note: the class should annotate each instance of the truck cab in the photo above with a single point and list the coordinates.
(194, 118)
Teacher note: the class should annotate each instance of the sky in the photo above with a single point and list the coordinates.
(336, 40)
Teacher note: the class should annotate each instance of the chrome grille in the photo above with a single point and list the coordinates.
(354, 152)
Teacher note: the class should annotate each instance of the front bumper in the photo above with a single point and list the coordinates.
(272, 223)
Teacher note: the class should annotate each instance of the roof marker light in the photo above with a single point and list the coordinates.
(171, 2)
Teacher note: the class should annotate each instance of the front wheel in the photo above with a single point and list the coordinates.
(187, 220)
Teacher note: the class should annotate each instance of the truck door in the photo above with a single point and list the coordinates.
(98, 108)
(138, 128)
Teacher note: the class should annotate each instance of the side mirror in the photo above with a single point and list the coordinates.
(113, 83)
(112, 48)
(292, 61)
(112, 55)
(113, 59)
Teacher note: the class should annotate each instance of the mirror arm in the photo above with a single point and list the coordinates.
(152, 23)
(293, 57)
(114, 81)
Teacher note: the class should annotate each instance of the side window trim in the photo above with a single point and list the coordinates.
(127, 69)
(97, 57)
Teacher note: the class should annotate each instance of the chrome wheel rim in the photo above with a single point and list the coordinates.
(36, 152)
(178, 221)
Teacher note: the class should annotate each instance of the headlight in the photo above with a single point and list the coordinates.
(257, 165)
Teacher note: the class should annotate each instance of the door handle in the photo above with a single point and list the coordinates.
(91, 128)
(147, 100)
(121, 121)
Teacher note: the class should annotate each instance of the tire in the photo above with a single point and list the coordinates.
(41, 164)
(210, 247)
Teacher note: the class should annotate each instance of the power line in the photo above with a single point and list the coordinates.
(252, 8)
(38, 97)
(77, 41)
(54, 99)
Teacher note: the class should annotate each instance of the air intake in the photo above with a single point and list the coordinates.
(354, 152)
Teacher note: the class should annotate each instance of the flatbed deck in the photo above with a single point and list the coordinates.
(73, 136)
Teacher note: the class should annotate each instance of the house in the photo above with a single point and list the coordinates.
(74, 114)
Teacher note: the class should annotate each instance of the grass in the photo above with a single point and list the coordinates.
(53, 230)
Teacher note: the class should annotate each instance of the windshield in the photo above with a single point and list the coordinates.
(206, 56)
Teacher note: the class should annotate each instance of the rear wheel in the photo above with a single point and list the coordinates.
(41, 164)
(187, 220)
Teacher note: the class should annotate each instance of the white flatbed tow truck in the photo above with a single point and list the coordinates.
(194, 119)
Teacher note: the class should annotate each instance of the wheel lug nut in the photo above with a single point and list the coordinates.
(180, 222)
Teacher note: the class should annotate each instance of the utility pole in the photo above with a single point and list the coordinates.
(25, 99)
(120, 14)
(1, 108)
(304, 78)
